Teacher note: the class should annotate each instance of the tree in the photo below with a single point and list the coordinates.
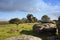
(59, 18)
(34, 19)
(30, 17)
(23, 20)
(45, 18)
(58, 25)
(55, 21)
(15, 21)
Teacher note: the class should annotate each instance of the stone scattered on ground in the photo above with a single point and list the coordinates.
(24, 37)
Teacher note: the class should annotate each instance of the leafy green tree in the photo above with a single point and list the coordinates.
(34, 19)
(23, 20)
(30, 17)
(45, 18)
(15, 21)
(59, 18)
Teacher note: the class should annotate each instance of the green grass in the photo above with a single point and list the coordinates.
(8, 30)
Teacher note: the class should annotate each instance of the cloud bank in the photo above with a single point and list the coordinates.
(29, 5)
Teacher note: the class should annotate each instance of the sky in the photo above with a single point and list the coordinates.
(20, 8)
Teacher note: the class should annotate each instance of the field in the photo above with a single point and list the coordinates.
(9, 30)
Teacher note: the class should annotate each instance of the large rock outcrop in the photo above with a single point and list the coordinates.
(58, 27)
(46, 27)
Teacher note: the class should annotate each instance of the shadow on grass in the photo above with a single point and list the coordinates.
(41, 35)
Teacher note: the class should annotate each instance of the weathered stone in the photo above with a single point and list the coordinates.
(36, 27)
(24, 37)
(46, 27)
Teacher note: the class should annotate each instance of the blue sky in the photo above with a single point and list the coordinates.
(20, 8)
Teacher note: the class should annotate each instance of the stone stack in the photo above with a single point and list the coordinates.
(46, 27)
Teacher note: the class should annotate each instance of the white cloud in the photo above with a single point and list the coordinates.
(27, 5)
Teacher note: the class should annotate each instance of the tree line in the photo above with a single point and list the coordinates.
(30, 19)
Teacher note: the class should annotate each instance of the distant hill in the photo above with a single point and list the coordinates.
(4, 22)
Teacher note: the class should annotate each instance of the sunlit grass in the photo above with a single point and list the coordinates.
(6, 32)
(9, 30)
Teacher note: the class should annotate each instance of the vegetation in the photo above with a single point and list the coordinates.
(23, 20)
(45, 18)
(31, 18)
(14, 21)
(8, 30)
(59, 18)
(24, 26)
(3, 22)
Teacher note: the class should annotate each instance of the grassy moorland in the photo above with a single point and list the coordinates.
(9, 30)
